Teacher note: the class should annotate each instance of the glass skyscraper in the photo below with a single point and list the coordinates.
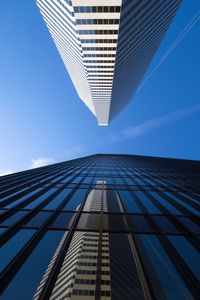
(118, 227)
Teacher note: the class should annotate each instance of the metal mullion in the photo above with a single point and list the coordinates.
(99, 255)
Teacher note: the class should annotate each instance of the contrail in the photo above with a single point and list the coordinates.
(185, 31)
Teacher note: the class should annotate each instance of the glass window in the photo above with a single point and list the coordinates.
(63, 221)
(113, 222)
(189, 254)
(2, 230)
(164, 224)
(165, 203)
(2, 211)
(150, 207)
(9, 250)
(165, 281)
(87, 180)
(111, 202)
(139, 224)
(40, 199)
(26, 281)
(124, 278)
(76, 199)
(58, 200)
(14, 203)
(89, 221)
(189, 224)
(128, 202)
(14, 194)
(14, 218)
(38, 219)
(181, 202)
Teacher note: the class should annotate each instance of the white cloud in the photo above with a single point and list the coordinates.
(139, 130)
(5, 172)
(40, 162)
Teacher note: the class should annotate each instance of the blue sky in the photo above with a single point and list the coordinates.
(43, 121)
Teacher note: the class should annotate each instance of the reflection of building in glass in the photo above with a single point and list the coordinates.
(107, 46)
(81, 267)
(101, 227)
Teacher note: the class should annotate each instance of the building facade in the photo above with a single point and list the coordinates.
(101, 227)
(107, 45)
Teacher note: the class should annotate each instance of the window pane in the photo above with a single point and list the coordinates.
(181, 202)
(125, 283)
(139, 224)
(111, 203)
(189, 224)
(58, 200)
(26, 281)
(13, 246)
(89, 221)
(151, 208)
(14, 218)
(14, 203)
(163, 276)
(40, 199)
(63, 221)
(76, 199)
(164, 224)
(39, 219)
(129, 203)
(189, 254)
(165, 203)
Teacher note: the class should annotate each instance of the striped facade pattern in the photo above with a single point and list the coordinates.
(101, 227)
(107, 45)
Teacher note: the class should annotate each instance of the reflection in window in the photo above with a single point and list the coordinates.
(189, 254)
(165, 203)
(125, 283)
(139, 224)
(14, 203)
(189, 224)
(76, 199)
(188, 207)
(150, 207)
(128, 202)
(110, 201)
(40, 199)
(13, 246)
(14, 218)
(164, 278)
(39, 219)
(63, 221)
(165, 225)
(26, 281)
(58, 200)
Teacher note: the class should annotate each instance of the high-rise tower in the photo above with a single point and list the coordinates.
(106, 227)
(107, 45)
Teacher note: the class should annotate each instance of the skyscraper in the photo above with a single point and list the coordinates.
(101, 227)
(107, 45)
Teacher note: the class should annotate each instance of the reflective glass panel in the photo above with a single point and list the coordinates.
(26, 281)
(13, 246)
